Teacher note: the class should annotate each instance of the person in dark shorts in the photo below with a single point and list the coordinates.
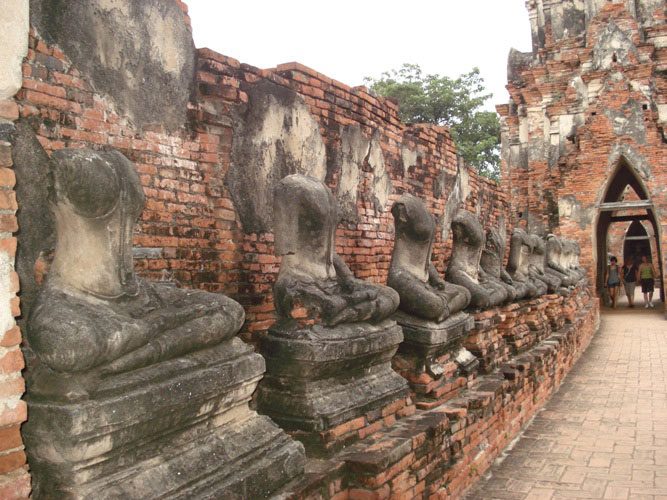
(646, 274)
(613, 280)
(629, 279)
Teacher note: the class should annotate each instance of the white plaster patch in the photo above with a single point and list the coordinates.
(354, 148)
(662, 113)
(121, 5)
(645, 89)
(613, 46)
(523, 131)
(408, 158)
(566, 207)
(298, 134)
(581, 90)
(6, 268)
(14, 28)
(594, 88)
(164, 42)
(381, 181)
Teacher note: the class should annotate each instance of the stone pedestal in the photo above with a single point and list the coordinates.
(432, 359)
(178, 429)
(319, 378)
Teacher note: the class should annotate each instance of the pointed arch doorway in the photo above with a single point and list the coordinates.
(626, 199)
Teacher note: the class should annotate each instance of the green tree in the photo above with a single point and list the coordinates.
(446, 101)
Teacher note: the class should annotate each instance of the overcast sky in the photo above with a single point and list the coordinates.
(350, 39)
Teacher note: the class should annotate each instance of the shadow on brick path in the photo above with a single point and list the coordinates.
(604, 434)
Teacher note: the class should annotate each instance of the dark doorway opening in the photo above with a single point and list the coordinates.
(636, 242)
(627, 200)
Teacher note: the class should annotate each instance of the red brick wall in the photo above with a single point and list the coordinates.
(190, 221)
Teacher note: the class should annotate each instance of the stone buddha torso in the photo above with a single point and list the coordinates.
(464, 264)
(314, 284)
(570, 260)
(422, 291)
(556, 262)
(538, 263)
(491, 262)
(94, 318)
(518, 265)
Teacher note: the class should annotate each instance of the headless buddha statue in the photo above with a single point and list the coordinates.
(328, 356)
(423, 292)
(491, 263)
(537, 264)
(464, 269)
(311, 274)
(94, 318)
(518, 266)
(571, 252)
(555, 262)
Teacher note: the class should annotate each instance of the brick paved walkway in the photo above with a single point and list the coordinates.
(604, 434)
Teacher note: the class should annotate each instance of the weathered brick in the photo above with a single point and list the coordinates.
(10, 438)
(12, 461)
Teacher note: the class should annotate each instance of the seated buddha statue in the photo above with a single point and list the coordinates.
(555, 261)
(537, 260)
(491, 263)
(518, 266)
(328, 356)
(464, 268)
(423, 292)
(130, 381)
(95, 318)
(312, 275)
(571, 252)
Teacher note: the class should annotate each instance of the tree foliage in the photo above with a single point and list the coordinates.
(455, 103)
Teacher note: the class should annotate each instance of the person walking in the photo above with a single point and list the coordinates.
(629, 277)
(613, 279)
(646, 275)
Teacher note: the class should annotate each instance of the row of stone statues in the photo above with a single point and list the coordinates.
(535, 266)
(140, 389)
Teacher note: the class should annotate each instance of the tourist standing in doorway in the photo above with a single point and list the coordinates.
(629, 277)
(647, 279)
(613, 280)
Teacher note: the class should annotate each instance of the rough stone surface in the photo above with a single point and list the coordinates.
(312, 276)
(141, 54)
(537, 265)
(191, 229)
(492, 263)
(36, 239)
(13, 45)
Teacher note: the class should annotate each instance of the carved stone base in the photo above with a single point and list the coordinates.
(431, 358)
(180, 429)
(318, 378)
(430, 338)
